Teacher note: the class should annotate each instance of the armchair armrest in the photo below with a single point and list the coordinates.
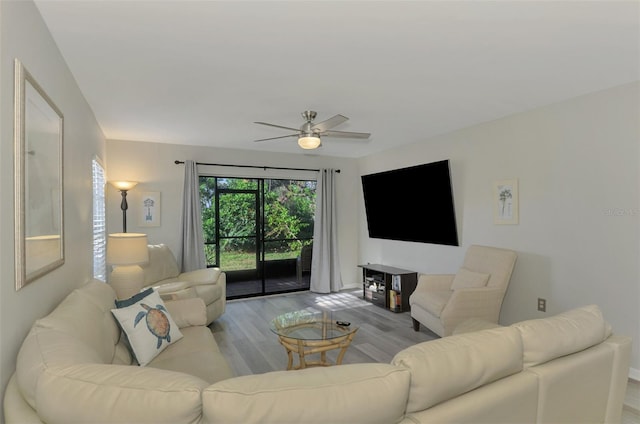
(435, 282)
(187, 312)
(201, 276)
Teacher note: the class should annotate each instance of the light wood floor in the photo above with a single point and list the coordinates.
(631, 411)
(245, 339)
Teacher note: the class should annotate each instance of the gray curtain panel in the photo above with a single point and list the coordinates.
(192, 239)
(325, 263)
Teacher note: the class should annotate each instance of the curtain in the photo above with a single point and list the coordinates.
(192, 238)
(325, 263)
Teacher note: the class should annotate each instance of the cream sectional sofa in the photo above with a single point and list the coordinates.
(74, 367)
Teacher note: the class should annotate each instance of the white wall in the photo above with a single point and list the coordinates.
(152, 164)
(578, 240)
(23, 35)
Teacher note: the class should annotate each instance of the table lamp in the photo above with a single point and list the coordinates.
(126, 252)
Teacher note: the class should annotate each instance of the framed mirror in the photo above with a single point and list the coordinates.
(38, 139)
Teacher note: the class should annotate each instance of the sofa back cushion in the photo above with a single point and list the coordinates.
(354, 393)
(569, 332)
(445, 368)
(162, 264)
(80, 330)
(91, 393)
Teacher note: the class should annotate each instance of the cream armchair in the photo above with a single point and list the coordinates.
(441, 302)
(163, 274)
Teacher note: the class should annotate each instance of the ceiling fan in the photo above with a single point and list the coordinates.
(309, 133)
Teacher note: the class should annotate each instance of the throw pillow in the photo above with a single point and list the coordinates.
(133, 299)
(148, 326)
(466, 278)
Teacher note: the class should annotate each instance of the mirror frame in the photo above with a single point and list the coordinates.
(36, 254)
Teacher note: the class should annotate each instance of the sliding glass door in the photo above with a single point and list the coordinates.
(256, 231)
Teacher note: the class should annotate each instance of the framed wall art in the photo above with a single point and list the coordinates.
(505, 201)
(150, 209)
(38, 188)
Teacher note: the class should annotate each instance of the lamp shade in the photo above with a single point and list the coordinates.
(124, 185)
(127, 249)
(309, 141)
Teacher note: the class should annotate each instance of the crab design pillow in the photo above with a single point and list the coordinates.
(148, 326)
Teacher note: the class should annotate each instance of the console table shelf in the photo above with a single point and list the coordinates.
(387, 286)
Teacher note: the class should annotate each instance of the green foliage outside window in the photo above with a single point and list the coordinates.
(289, 208)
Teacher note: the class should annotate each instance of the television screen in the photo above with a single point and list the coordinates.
(411, 204)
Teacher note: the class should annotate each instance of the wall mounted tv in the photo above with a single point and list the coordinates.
(411, 204)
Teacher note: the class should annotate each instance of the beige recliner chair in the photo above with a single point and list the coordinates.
(209, 284)
(441, 302)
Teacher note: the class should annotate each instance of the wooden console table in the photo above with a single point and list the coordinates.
(387, 286)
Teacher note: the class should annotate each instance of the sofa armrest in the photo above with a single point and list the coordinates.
(187, 312)
(435, 282)
(201, 276)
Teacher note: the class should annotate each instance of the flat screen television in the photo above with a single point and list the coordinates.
(411, 204)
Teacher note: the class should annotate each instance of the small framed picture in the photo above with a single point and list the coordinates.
(150, 209)
(505, 202)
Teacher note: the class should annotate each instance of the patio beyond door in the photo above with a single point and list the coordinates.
(256, 231)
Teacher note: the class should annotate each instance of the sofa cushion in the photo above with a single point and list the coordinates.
(62, 339)
(196, 354)
(466, 278)
(149, 327)
(432, 301)
(572, 331)
(92, 393)
(355, 393)
(445, 368)
(162, 264)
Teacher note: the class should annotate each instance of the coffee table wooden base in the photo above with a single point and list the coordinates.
(309, 347)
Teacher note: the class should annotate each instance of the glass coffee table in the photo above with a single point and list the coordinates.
(309, 332)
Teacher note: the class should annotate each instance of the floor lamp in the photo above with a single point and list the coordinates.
(126, 252)
(124, 187)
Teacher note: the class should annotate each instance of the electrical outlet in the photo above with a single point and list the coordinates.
(542, 304)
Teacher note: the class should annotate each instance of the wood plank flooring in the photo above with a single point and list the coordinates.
(245, 339)
(251, 348)
(631, 411)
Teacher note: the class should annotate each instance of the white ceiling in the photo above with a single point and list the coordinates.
(201, 72)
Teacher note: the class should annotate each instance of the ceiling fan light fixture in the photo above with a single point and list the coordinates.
(309, 141)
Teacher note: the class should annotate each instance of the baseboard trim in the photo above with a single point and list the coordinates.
(634, 374)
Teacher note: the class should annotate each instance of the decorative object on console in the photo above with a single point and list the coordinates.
(148, 326)
(124, 187)
(126, 252)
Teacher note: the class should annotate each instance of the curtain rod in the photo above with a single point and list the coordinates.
(178, 162)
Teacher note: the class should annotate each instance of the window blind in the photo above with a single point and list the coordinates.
(99, 222)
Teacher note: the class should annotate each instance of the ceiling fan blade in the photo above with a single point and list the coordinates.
(277, 126)
(329, 123)
(345, 134)
(275, 138)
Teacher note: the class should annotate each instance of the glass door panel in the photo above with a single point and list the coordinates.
(238, 242)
